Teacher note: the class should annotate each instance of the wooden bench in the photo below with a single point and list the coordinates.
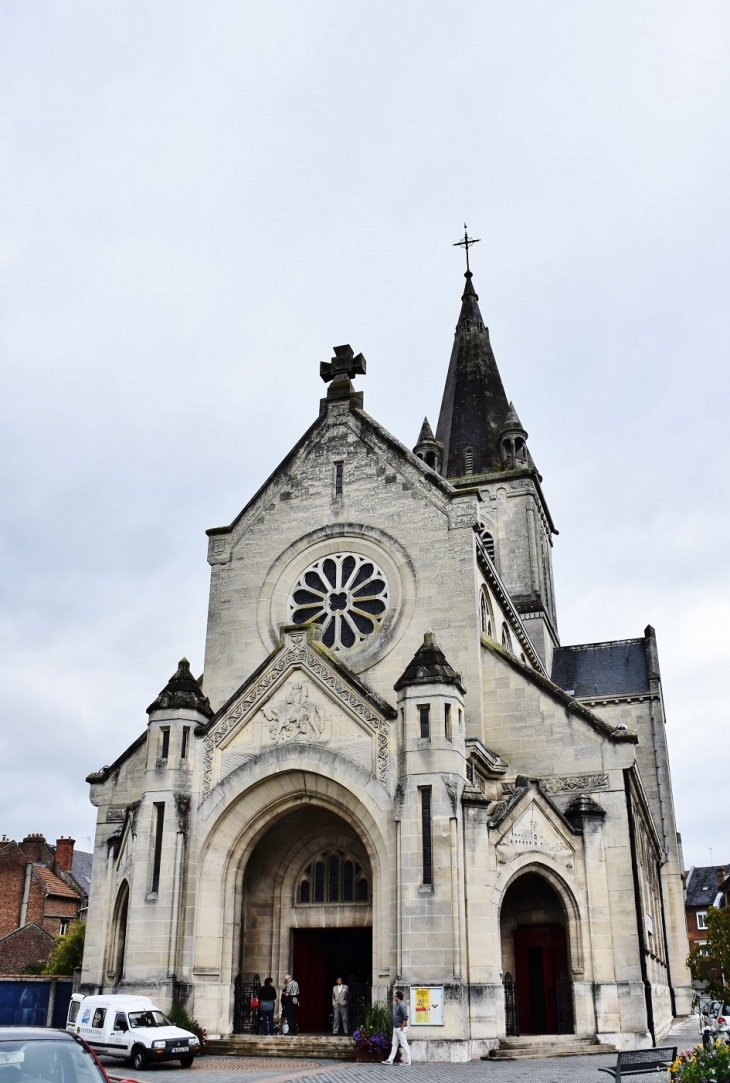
(641, 1062)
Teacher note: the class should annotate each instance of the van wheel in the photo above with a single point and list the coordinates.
(139, 1058)
(187, 1062)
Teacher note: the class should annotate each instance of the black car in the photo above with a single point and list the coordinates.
(41, 1055)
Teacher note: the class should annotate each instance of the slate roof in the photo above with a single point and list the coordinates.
(81, 869)
(601, 669)
(702, 886)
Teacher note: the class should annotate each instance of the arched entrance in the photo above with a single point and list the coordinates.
(307, 909)
(534, 932)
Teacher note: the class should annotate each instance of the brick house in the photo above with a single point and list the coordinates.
(43, 889)
(707, 886)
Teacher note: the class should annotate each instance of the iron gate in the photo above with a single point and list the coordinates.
(359, 1000)
(512, 1020)
(245, 1018)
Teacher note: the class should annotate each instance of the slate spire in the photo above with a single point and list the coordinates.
(182, 690)
(474, 407)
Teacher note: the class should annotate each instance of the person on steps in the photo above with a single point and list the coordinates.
(290, 1003)
(340, 1000)
(267, 1003)
(400, 1030)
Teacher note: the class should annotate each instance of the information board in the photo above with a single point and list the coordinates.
(427, 1006)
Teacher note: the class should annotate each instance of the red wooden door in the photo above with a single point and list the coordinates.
(310, 970)
(540, 958)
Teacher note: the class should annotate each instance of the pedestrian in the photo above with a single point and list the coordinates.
(290, 1003)
(340, 1000)
(267, 1003)
(400, 1028)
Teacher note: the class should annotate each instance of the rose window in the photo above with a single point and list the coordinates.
(346, 595)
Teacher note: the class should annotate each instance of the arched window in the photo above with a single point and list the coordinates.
(348, 875)
(334, 892)
(506, 639)
(319, 882)
(336, 874)
(485, 614)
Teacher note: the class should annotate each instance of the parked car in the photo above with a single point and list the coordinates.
(715, 1022)
(130, 1027)
(43, 1054)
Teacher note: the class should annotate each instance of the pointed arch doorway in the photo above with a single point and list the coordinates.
(307, 909)
(534, 931)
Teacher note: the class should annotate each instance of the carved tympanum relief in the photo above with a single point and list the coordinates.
(531, 832)
(285, 708)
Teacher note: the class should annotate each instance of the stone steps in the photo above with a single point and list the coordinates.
(317, 1046)
(547, 1045)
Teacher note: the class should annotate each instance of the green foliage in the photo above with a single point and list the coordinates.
(180, 1018)
(68, 951)
(710, 1064)
(710, 965)
(378, 1019)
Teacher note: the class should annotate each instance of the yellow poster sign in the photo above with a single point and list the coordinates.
(427, 1006)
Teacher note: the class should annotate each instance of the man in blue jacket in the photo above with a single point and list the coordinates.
(400, 1030)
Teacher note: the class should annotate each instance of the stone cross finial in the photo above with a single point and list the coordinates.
(343, 364)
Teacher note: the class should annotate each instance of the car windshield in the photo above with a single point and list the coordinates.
(47, 1061)
(145, 1019)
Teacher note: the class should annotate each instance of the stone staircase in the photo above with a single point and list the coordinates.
(548, 1045)
(316, 1046)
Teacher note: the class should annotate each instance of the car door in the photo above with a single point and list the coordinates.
(119, 1033)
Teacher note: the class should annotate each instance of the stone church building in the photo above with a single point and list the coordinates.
(390, 768)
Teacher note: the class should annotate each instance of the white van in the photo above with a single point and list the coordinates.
(130, 1027)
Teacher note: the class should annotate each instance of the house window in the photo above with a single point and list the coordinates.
(63, 926)
(447, 721)
(426, 834)
(334, 894)
(184, 744)
(339, 469)
(506, 639)
(157, 856)
(701, 919)
(165, 742)
(348, 876)
(424, 720)
(304, 891)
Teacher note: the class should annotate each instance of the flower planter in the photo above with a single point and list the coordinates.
(368, 1056)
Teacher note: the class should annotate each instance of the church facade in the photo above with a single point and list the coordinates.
(391, 769)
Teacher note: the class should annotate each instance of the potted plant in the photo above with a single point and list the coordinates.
(372, 1039)
(703, 1064)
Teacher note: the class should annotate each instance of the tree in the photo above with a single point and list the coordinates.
(68, 951)
(711, 963)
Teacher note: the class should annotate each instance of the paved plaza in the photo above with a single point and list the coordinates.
(263, 1070)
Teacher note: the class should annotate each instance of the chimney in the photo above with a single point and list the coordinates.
(721, 876)
(65, 853)
(33, 846)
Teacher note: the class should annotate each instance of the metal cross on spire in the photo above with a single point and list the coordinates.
(466, 245)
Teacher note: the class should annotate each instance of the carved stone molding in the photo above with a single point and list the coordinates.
(116, 814)
(574, 784)
(451, 782)
(182, 808)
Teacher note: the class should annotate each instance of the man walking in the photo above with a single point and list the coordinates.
(340, 999)
(290, 1003)
(400, 1028)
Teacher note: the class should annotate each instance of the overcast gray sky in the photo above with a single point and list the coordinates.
(200, 200)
